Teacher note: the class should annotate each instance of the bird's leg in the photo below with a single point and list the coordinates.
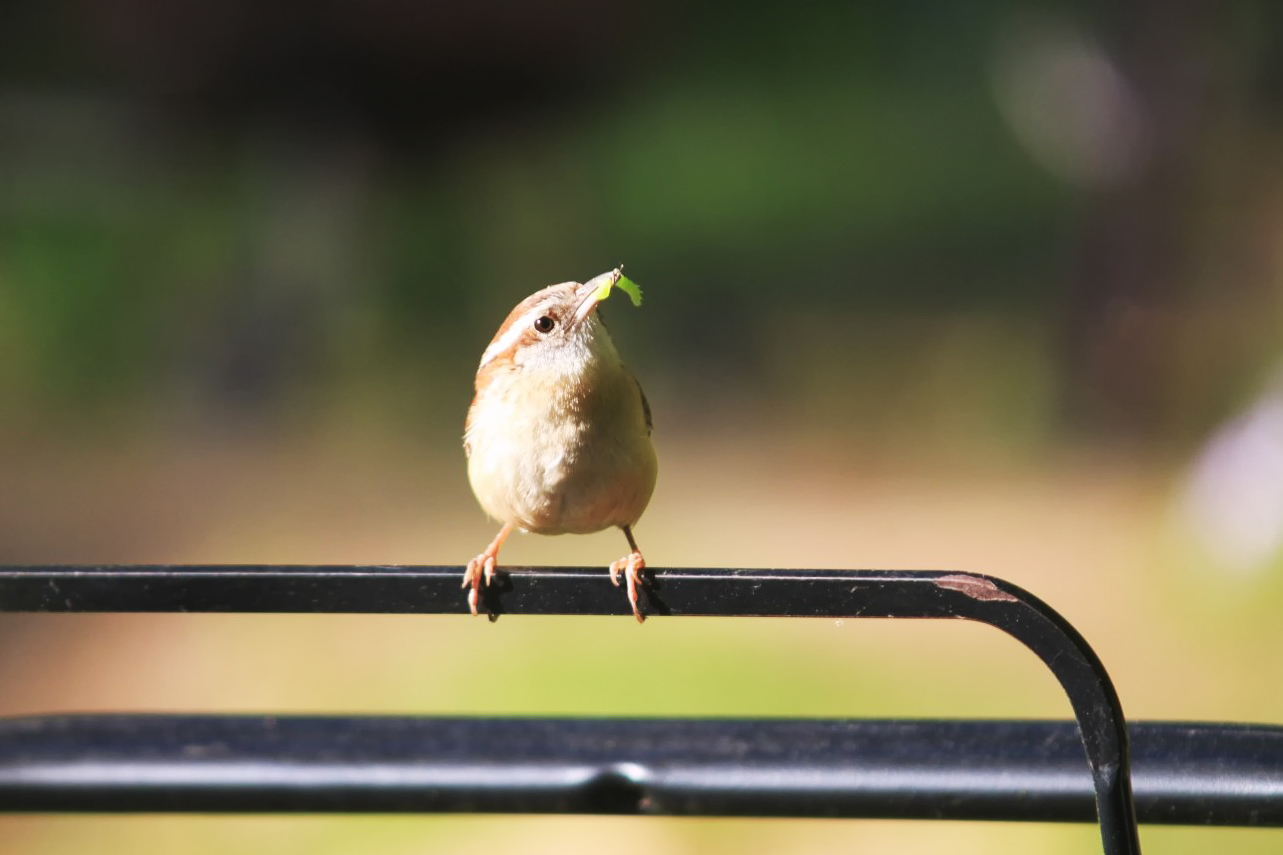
(632, 566)
(481, 569)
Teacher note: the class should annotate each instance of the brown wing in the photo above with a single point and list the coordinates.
(650, 423)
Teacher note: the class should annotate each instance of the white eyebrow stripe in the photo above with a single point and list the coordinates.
(515, 331)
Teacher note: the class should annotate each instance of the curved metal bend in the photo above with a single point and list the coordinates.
(555, 590)
(929, 594)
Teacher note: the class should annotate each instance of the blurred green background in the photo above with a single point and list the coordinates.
(993, 286)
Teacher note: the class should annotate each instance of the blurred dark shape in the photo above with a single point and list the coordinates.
(393, 65)
(280, 320)
(259, 342)
(1138, 251)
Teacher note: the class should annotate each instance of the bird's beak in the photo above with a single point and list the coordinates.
(593, 292)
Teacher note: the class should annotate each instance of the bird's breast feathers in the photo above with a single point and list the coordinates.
(556, 459)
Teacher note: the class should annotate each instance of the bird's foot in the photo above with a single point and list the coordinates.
(631, 565)
(480, 572)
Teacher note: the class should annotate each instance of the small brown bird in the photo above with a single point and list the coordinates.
(558, 434)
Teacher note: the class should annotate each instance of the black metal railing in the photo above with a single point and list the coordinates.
(1026, 770)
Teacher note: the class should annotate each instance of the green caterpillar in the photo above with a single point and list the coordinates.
(616, 278)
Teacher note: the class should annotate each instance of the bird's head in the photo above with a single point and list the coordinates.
(556, 330)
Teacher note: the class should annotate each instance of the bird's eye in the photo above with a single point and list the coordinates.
(544, 324)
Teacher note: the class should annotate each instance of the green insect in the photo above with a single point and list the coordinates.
(616, 278)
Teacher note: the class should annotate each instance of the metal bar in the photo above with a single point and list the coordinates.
(975, 770)
(726, 592)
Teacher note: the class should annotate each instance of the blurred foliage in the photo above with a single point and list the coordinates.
(229, 208)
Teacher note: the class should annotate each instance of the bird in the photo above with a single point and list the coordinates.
(558, 436)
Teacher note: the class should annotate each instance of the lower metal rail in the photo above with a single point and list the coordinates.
(1192, 774)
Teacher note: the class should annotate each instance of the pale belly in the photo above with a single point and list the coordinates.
(562, 476)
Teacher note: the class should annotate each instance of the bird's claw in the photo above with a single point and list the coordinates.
(480, 571)
(631, 566)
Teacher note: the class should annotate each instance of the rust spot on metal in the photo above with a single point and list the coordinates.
(975, 587)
